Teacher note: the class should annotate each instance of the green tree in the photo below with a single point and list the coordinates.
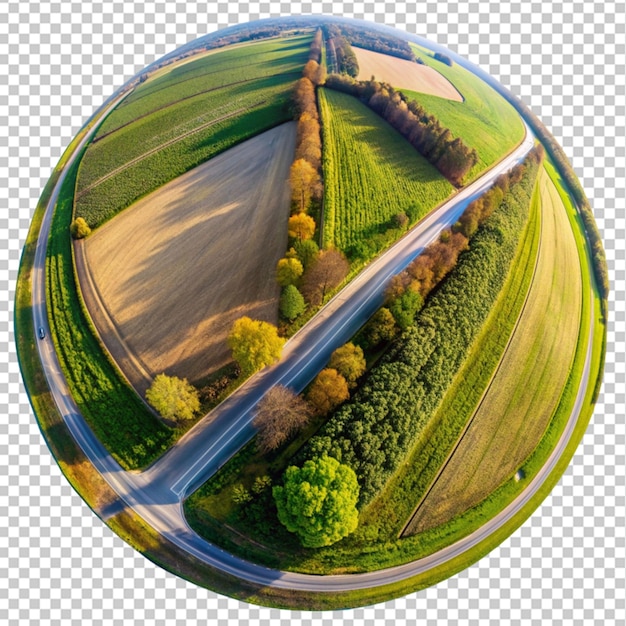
(328, 390)
(405, 307)
(307, 251)
(79, 228)
(291, 303)
(349, 361)
(254, 344)
(174, 398)
(382, 327)
(318, 501)
(288, 270)
(261, 483)
(240, 495)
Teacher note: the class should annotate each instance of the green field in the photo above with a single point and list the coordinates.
(118, 417)
(388, 513)
(371, 173)
(485, 121)
(511, 419)
(170, 124)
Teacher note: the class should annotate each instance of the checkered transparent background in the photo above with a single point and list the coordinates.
(59, 564)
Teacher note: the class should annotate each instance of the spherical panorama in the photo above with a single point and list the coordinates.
(321, 310)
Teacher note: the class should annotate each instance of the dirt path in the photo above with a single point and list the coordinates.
(404, 74)
(166, 278)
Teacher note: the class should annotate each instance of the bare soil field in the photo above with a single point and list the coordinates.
(404, 74)
(166, 278)
(526, 388)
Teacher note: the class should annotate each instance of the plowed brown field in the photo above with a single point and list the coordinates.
(166, 278)
(404, 74)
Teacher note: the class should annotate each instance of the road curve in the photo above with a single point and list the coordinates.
(157, 494)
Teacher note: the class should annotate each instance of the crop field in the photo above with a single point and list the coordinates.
(209, 244)
(484, 120)
(511, 419)
(212, 71)
(404, 74)
(371, 173)
(123, 424)
(180, 130)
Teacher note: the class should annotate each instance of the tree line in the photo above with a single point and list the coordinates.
(346, 59)
(378, 42)
(450, 155)
(373, 432)
(307, 274)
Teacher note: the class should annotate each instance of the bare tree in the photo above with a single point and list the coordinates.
(280, 415)
(324, 274)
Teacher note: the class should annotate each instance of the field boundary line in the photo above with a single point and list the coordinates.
(485, 392)
(90, 295)
(171, 104)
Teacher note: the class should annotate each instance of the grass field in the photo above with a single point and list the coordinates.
(371, 173)
(512, 418)
(404, 74)
(117, 416)
(174, 122)
(209, 244)
(484, 120)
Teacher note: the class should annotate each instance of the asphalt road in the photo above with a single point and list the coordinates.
(157, 493)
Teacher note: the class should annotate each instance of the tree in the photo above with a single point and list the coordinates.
(254, 344)
(307, 251)
(291, 303)
(328, 390)
(405, 307)
(173, 398)
(317, 502)
(288, 270)
(261, 483)
(279, 416)
(382, 327)
(304, 179)
(349, 361)
(324, 274)
(240, 495)
(79, 228)
(301, 226)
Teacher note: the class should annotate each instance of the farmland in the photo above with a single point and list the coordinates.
(371, 174)
(511, 419)
(176, 121)
(404, 74)
(484, 120)
(117, 416)
(374, 431)
(210, 241)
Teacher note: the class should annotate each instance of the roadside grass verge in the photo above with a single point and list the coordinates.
(511, 419)
(371, 174)
(118, 417)
(484, 121)
(78, 470)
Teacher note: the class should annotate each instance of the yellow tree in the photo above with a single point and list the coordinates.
(328, 390)
(303, 179)
(254, 344)
(301, 226)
